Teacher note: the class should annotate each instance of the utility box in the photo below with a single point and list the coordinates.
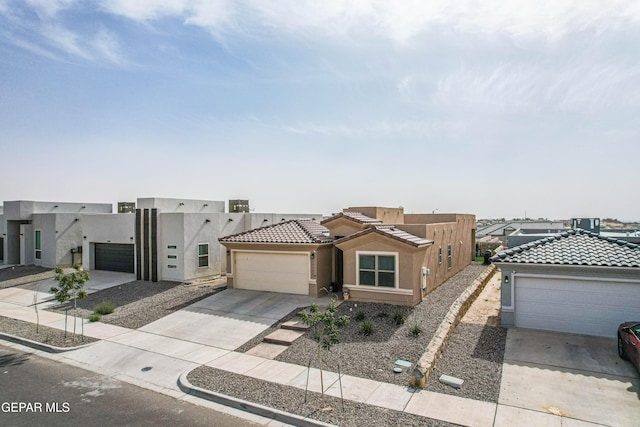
(237, 205)
(126, 207)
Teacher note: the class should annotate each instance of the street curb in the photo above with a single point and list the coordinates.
(423, 367)
(38, 345)
(243, 405)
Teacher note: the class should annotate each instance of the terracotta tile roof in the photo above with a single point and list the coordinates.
(392, 232)
(354, 216)
(575, 247)
(292, 231)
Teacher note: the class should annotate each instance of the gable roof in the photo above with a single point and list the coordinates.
(392, 232)
(292, 231)
(353, 216)
(575, 247)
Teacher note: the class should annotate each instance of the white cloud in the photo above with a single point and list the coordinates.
(395, 20)
(106, 44)
(49, 8)
(65, 40)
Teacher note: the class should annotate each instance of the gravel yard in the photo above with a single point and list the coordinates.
(475, 350)
(20, 274)
(51, 336)
(291, 399)
(139, 303)
(374, 356)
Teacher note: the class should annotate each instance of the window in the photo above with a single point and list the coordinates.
(172, 256)
(377, 270)
(172, 247)
(203, 255)
(449, 255)
(38, 244)
(439, 255)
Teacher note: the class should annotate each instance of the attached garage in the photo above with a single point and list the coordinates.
(277, 272)
(292, 257)
(581, 306)
(576, 282)
(114, 257)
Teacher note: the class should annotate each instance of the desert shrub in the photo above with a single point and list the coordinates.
(105, 307)
(416, 330)
(94, 317)
(398, 317)
(360, 316)
(366, 328)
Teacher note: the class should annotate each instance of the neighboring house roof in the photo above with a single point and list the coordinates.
(292, 231)
(499, 228)
(392, 232)
(354, 216)
(575, 247)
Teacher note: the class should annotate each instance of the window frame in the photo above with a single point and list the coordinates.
(440, 255)
(202, 256)
(449, 256)
(37, 244)
(376, 270)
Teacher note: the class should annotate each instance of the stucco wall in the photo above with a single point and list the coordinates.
(180, 205)
(105, 228)
(409, 269)
(23, 209)
(385, 214)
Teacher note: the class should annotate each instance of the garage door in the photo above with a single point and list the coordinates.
(582, 307)
(1, 248)
(114, 257)
(273, 272)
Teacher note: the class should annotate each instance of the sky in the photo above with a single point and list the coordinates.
(499, 109)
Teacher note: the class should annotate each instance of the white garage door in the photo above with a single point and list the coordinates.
(582, 307)
(273, 272)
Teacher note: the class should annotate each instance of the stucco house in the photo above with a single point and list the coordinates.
(46, 234)
(378, 253)
(576, 281)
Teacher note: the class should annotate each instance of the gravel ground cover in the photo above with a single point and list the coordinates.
(291, 399)
(139, 303)
(475, 354)
(46, 335)
(19, 274)
(374, 356)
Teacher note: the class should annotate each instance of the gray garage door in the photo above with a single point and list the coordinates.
(114, 257)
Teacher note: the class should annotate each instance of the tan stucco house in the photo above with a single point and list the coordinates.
(379, 254)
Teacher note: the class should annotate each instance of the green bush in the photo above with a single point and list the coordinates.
(416, 330)
(105, 307)
(360, 316)
(398, 317)
(95, 317)
(366, 328)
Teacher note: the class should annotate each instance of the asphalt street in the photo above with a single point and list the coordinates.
(39, 391)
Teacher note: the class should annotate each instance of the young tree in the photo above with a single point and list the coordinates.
(71, 286)
(325, 329)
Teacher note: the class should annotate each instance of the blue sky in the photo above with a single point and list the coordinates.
(494, 108)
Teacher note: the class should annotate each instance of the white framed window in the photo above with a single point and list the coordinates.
(379, 269)
(449, 256)
(203, 255)
(38, 243)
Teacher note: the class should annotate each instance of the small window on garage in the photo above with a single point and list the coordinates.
(38, 244)
(172, 256)
(377, 270)
(203, 255)
(439, 255)
(449, 256)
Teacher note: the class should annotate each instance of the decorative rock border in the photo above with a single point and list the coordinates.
(426, 363)
(243, 405)
(39, 345)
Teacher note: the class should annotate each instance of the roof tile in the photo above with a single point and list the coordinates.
(292, 231)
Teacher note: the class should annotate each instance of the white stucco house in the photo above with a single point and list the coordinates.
(575, 281)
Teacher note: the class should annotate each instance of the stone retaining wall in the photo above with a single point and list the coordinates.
(425, 364)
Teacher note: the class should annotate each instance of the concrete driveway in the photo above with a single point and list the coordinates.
(23, 295)
(559, 379)
(230, 318)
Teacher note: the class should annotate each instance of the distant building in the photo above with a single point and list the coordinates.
(236, 206)
(126, 207)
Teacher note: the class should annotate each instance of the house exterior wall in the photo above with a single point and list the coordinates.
(257, 220)
(105, 228)
(198, 231)
(386, 215)
(342, 227)
(181, 205)
(410, 262)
